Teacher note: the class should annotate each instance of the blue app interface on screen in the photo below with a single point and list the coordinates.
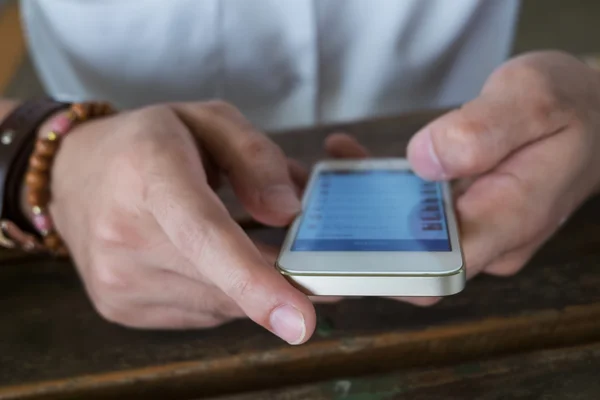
(373, 210)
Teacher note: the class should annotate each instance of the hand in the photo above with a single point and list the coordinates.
(155, 247)
(525, 155)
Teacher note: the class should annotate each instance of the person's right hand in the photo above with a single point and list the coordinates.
(153, 243)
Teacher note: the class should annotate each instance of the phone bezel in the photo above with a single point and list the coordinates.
(372, 263)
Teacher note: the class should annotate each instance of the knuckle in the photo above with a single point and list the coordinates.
(109, 229)
(513, 192)
(199, 238)
(465, 135)
(260, 149)
(512, 196)
(108, 278)
(522, 73)
(547, 105)
(543, 108)
(220, 107)
(241, 286)
(141, 169)
(143, 151)
(153, 132)
(126, 166)
(151, 114)
(548, 113)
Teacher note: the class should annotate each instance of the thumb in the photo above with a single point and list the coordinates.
(474, 139)
(342, 145)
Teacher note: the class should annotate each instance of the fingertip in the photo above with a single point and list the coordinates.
(336, 136)
(294, 324)
(298, 173)
(325, 299)
(423, 158)
(342, 145)
(310, 316)
(276, 205)
(419, 301)
(281, 198)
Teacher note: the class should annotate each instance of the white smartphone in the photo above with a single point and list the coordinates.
(373, 228)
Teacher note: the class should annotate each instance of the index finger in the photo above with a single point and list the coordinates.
(199, 226)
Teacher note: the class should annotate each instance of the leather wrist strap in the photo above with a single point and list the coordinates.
(18, 133)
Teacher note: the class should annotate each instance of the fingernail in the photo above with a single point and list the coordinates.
(282, 198)
(423, 157)
(288, 323)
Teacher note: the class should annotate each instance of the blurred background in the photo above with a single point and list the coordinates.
(571, 25)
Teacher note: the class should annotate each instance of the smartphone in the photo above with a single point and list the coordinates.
(372, 227)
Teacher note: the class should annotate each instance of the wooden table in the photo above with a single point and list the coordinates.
(539, 328)
(568, 373)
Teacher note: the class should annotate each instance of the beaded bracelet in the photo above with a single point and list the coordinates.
(37, 178)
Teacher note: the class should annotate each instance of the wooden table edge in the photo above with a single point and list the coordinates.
(344, 357)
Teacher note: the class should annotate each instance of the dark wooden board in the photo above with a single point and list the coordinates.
(560, 374)
(53, 345)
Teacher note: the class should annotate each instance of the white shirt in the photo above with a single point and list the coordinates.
(283, 63)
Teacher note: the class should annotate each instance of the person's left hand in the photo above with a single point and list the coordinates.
(525, 154)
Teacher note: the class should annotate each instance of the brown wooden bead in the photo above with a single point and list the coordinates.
(107, 109)
(36, 180)
(38, 197)
(52, 241)
(95, 109)
(71, 115)
(101, 109)
(45, 148)
(39, 163)
(81, 110)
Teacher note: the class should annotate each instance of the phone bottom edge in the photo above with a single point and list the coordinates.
(380, 286)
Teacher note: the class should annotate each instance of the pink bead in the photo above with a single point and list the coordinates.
(42, 222)
(61, 124)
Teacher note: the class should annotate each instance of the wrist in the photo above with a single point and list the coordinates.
(41, 168)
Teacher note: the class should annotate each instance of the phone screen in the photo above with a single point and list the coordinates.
(373, 210)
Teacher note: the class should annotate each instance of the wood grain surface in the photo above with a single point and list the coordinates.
(567, 373)
(53, 344)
